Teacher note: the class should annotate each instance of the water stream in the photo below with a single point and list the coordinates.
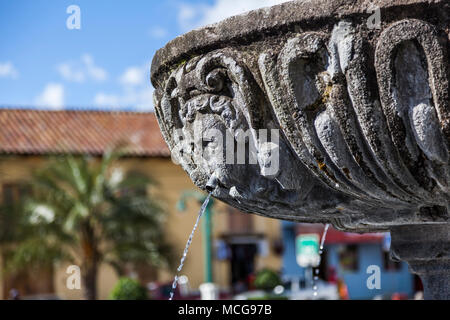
(191, 237)
(188, 244)
(316, 270)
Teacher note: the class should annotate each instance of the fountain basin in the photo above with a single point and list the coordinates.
(357, 109)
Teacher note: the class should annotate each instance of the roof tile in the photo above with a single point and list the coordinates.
(31, 132)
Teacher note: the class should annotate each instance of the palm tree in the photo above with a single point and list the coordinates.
(89, 213)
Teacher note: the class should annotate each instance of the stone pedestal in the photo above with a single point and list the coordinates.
(426, 248)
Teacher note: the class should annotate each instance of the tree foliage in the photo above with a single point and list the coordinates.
(128, 289)
(87, 212)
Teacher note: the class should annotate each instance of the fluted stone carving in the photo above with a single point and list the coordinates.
(362, 114)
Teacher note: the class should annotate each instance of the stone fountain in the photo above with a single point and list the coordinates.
(362, 111)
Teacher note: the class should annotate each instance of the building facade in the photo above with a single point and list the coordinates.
(353, 258)
(242, 244)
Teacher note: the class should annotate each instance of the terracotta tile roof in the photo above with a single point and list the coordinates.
(37, 132)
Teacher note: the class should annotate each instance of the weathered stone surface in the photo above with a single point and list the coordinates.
(363, 112)
(426, 248)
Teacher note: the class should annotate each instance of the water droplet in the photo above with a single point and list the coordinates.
(317, 271)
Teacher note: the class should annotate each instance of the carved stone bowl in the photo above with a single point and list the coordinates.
(358, 110)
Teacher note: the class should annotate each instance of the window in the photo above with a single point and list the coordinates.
(348, 258)
(14, 192)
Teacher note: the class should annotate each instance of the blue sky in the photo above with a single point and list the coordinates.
(105, 64)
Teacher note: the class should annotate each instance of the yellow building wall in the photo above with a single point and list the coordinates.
(107, 278)
(172, 182)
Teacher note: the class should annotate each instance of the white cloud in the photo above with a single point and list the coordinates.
(136, 91)
(92, 70)
(104, 99)
(187, 14)
(82, 70)
(158, 32)
(133, 76)
(137, 98)
(69, 74)
(193, 16)
(7, 70)
(52, 96)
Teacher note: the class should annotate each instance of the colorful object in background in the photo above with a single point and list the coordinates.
(387, 242)
(347, 257)
(222, 250)
(307, 250)
(342, 290)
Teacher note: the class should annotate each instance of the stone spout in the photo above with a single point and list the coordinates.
(212, 183)
(323, 112)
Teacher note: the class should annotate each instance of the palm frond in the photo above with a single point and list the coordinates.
(76, 206)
